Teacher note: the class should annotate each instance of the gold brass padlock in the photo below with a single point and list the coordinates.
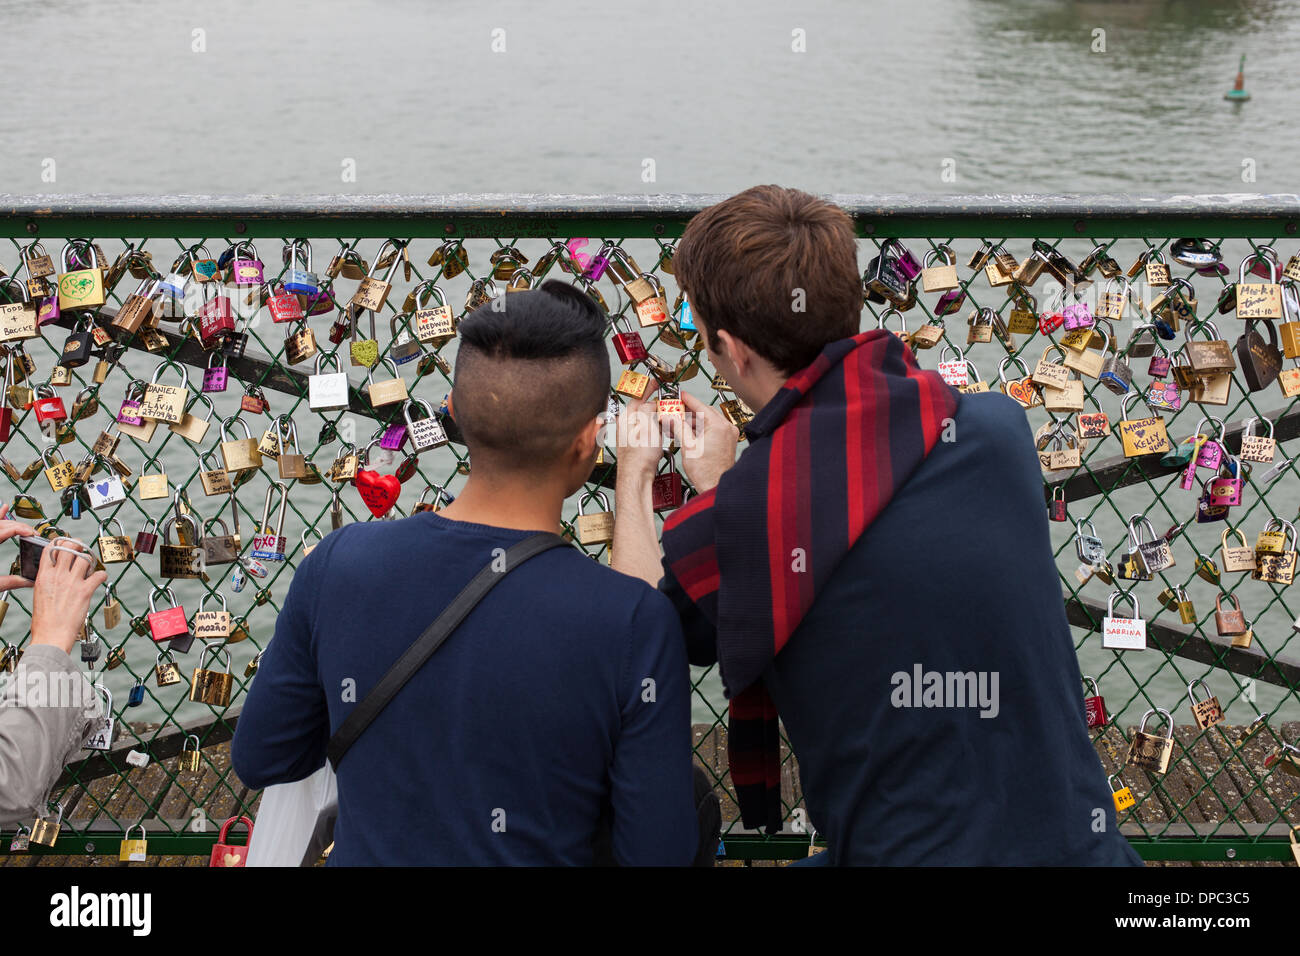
(210, 686)
(133, 851)
(189, 759)
(1151, 752)
(45, 831)
(239, 454)
(1205, 712)
(596, 528)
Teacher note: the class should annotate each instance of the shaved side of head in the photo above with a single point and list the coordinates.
(530, 374)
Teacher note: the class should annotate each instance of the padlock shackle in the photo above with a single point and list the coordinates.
(1002, 368)
(217, 594)
(397, 245)
(234, 420)
(593, 492)
(1191, 690)
(266, 508)
(1265, 254)
(214, 649)
(1168, 719)
(1093, 682)
(1118, 594)
(426, 288)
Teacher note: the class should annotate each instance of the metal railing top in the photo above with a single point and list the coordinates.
(656, 214)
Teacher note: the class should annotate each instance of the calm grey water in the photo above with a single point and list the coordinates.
(284, 92)
(956, 96)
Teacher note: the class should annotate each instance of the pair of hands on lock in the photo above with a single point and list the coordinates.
(708, 441)
(63, 590)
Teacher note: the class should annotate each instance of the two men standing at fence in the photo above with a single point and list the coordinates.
(880, 528)
(552, 726)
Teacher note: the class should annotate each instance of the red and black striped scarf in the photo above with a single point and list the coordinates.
(825, 456)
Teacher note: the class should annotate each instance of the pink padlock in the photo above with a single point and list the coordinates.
(215, 377)
(1159, 366)
(1210, 455)
(1077, 316)
(1189, 478)
(1225, 491)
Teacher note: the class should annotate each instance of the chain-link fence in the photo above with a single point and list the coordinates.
(192, 289)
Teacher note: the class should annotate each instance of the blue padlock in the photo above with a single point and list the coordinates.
(299, 281)
(686, 318)
(136, 695)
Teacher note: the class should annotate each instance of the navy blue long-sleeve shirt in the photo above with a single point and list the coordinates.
(955, 577)
(566, 690)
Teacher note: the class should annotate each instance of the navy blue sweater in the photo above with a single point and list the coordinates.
(956, 576)
(565, 691)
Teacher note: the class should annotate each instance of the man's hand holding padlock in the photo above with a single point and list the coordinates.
(13, 529)
(708, 443)
(64, 587)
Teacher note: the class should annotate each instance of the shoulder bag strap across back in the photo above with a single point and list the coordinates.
(355, 724)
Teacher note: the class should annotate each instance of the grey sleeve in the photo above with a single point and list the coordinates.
(45, 711)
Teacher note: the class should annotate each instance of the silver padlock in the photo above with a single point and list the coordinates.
(100, 734)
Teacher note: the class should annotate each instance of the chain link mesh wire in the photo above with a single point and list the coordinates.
(1218, 783)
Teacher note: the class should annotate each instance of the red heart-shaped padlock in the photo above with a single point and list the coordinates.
(379, 492)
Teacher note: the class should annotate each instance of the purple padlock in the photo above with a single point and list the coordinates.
(949, 302)
(394, 437)
(319, 302)
(1159, 366)
(214, 378)
(599, 263)
(126, 416)
(907, 263)
(48, 310)
(1077, 316)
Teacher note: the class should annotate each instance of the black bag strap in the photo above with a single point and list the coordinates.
(355, 724)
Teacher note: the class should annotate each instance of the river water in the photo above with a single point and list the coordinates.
(932, 96)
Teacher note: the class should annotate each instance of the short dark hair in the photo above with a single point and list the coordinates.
(531, 371)
(740, 262)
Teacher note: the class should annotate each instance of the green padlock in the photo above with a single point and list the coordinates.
(364, 352)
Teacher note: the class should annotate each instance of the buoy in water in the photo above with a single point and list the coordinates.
(1238, 91)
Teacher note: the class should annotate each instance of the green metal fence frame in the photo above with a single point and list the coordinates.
(662, 218)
